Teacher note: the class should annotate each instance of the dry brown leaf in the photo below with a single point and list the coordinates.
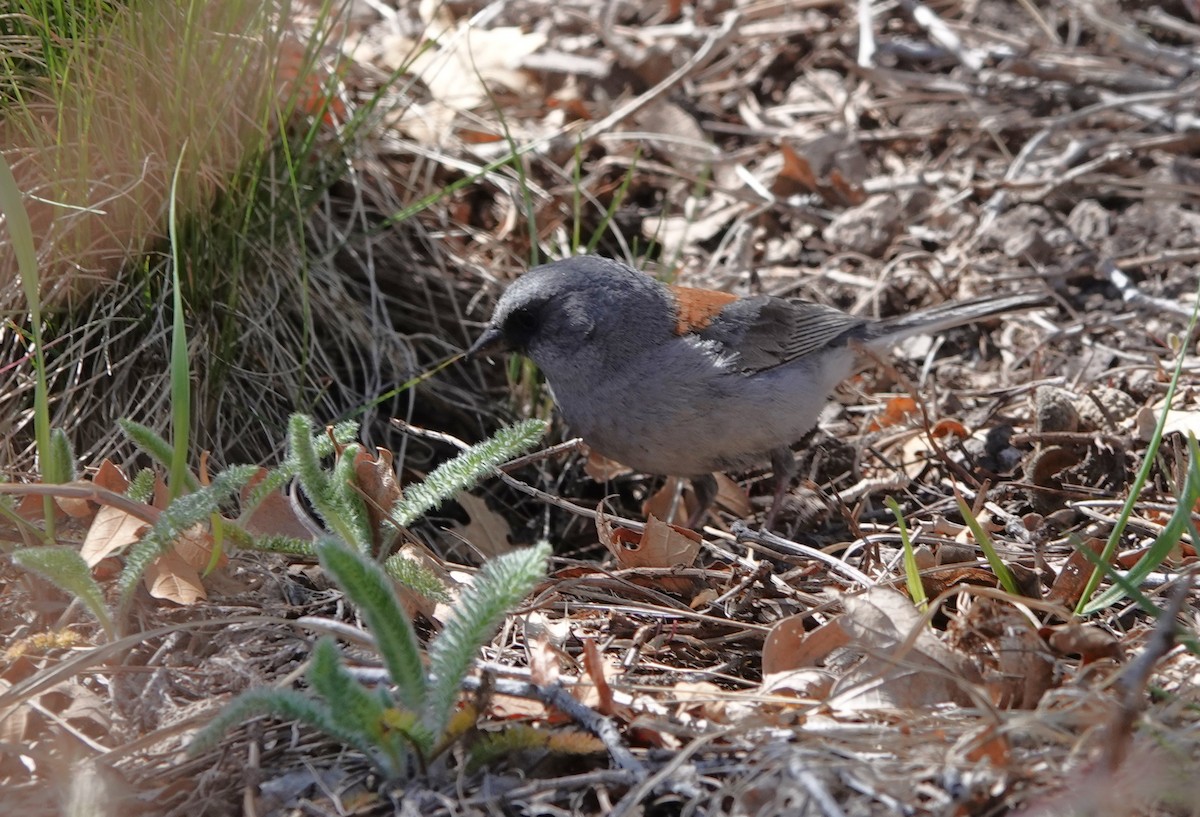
(660, 502)
(31, 507)
(602, 469)
(903, 664)
(687, 145)
(110, 477)
(1068, 585)
(830, 165)
(86, 706)
(111, 532)
(596, 669)
(413, 602)
(13, 721)
(1085, 640)
(459, 64)
(702, 699)
(789, 646)
(171, 578)
(488, 532)
(733, 497)
(195, 546)
(509, 707)
(275, 515)
(162, 497)
(660, 545)
(991, 745)
(811, 684)
(74, 507)
(949, 428)
(898, 411)
(543, 662)
(375, 477)
(1018, 668)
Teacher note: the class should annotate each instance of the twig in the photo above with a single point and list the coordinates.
(744, 533)
(1134, 678)
(941, 34)
(1130, 294)
(866, 35)
(660, 779)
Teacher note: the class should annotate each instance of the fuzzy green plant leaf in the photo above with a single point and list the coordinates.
(498, 588)
(493, 747)
(59, 467)
(323, 445)
(141, 487)
(275, 543)
(465, 470)
(352, 508)
(357, 709)
(65, 569)
(180, 515)
(371, 591)
(158, 448)
(912, 573)
(412, 575)
(286, 704)
(329, 500)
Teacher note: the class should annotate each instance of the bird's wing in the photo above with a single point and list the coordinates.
(760, 333)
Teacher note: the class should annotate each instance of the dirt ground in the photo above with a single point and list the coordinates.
(926, 154)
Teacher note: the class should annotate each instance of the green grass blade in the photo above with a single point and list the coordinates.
(1003, 574)
(20, 232)
(181, 392)
(912, 573)
(1179, 524)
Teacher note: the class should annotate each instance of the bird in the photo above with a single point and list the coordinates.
(686, 382)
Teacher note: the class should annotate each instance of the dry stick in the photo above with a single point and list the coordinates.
(941, 34)
(1133, 680)
(558, 696)
(866, 35)
(745, 534)
(1130, 294)
(661, 779)
(815, 788)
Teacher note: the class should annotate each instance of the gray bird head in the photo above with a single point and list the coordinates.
(579, 308)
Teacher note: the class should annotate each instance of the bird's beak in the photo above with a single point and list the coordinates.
(491, 342)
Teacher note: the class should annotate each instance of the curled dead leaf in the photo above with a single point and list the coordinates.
(171, 578)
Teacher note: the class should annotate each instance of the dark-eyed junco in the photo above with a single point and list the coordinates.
(682, 381)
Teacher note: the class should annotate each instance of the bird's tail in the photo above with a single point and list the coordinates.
(937, 319)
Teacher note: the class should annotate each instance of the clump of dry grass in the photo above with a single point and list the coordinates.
(227, 101)
(160, 89)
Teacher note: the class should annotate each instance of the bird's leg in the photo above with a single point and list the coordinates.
(783, 463)
(705, 489)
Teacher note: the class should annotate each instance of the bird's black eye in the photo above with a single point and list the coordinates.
(520, 326)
